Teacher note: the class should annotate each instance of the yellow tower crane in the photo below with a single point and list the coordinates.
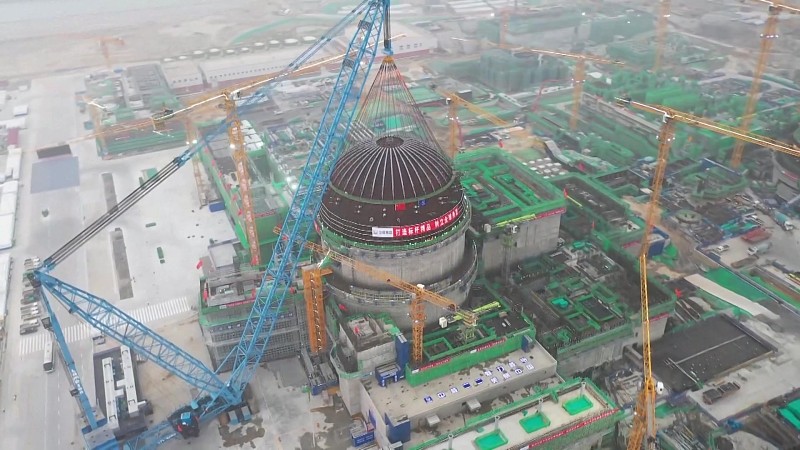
(578, 77)
(419, 296)
(768, 36)
(240, 159)
(104, 43)
(454, 101)
(505, 17)
(207, 103)
(644, 425)
(664, 7)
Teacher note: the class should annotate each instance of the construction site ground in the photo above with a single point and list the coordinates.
(289, 417)
(703, 352)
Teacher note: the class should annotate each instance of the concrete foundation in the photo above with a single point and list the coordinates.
(571, 363)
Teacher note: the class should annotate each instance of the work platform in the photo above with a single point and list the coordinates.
(572, 415)
(445, 396)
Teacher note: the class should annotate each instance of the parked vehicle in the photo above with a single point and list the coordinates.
(759, 249)
(744, 262)
(718, 393)
(783, 220)
(756, 235)
(28, 326)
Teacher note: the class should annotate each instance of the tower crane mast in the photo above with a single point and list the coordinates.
(454, 127)
(236, 138)
(215, 395)
(419, 296)
(578, 76)
(644, 425)
(768, 37)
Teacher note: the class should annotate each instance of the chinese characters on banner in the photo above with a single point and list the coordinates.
(420, 228)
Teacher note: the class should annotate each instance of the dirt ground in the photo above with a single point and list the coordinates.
(66, 35)
(687, 263)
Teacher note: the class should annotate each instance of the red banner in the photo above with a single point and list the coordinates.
(551, 213)
(429, 226)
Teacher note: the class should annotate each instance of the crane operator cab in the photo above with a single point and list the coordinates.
(160, 119)
(186, 423)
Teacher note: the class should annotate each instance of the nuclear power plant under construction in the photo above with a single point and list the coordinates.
(413, 234)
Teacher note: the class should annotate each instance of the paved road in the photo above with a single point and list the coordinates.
(39, 395)
(162, 292)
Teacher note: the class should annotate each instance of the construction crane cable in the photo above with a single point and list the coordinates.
(644, 424)
(117, 210)
(137, 194)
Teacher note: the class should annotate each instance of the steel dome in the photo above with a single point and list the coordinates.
(391, 169)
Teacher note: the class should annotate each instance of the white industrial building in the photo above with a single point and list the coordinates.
(183, 77)
(8, 208)
(5, 277)
(219, 72)
(411, 40)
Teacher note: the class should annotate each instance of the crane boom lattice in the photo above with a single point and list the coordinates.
(644, 424)
(216, 396)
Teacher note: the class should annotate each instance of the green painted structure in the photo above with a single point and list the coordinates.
(507, 71)
(628, 24)
(447, 344)
(534, 423)
(266, 220)
(502, 189)
(521, 25)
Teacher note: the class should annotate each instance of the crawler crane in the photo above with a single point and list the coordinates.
(644, 425)
(216, 395)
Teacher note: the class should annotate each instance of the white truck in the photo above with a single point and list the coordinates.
(759, 249)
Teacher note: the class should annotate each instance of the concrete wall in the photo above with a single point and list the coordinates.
(535, 237)
(398, 306)
(427, 265)
(373, 357)
(611, 351)
(486, 395)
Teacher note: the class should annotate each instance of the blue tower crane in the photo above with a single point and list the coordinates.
(217, 396)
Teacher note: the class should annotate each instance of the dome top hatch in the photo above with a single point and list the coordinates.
(392, 169)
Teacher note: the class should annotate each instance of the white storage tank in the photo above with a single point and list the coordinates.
(274, 43)
(258, 46)
(244, 50)
(198, 54)
(214, 52)
(183, 58)
(309, 39)
(167, 60)
(290, 41)
(230, 52)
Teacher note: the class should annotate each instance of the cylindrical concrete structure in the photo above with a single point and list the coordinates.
(396, 204)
